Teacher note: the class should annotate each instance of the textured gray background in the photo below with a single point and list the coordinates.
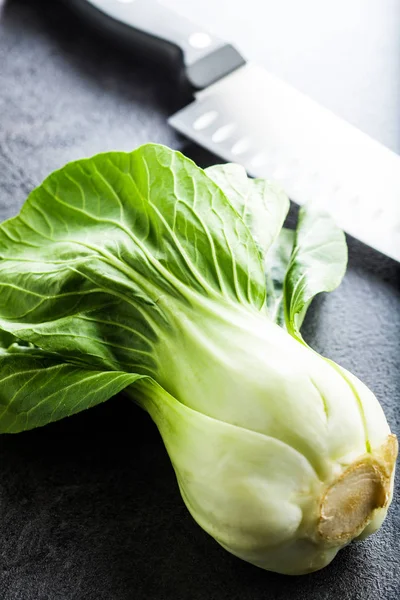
(89, 508)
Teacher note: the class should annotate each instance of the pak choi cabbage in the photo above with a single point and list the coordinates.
(144, 273)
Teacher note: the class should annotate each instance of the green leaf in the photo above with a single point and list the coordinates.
(317, 264)
(306, 263)
(262, 205)
(37, 388)
(95, 269)
(101, 251)
(278, 259)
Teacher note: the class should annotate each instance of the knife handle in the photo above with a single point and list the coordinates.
(158, 33)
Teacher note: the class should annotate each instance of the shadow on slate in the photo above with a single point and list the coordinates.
(89, 507)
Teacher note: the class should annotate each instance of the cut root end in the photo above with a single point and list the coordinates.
(349, 504)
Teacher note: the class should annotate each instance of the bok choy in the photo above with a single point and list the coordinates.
(142, 272)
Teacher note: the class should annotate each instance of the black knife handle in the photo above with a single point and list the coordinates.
(154, 31)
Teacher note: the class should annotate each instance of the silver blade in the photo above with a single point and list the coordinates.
(274, 131)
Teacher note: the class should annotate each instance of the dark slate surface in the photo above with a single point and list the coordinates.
(89, 508)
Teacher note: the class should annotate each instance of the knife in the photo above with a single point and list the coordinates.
(244, 114)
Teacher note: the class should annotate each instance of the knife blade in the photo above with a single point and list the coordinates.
(244, 114)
